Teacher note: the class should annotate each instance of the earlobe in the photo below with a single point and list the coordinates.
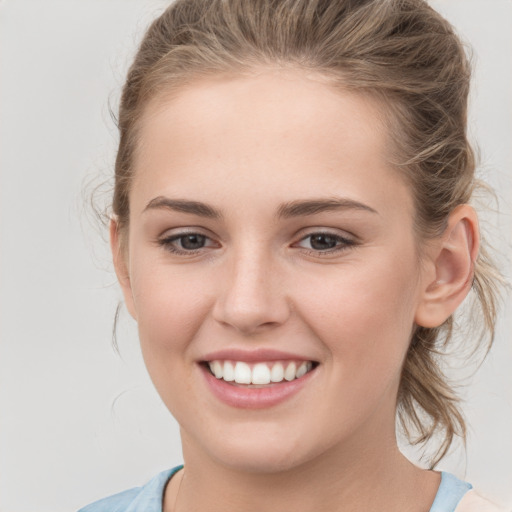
(119, 257)
(453, 258)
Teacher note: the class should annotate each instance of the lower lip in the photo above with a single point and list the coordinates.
(254, 398)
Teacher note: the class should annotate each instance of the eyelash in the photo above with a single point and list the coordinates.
(168, 243)
(342, 243)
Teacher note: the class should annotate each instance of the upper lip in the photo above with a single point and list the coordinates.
(260, 354)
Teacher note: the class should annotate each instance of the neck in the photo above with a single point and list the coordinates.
(359, 478)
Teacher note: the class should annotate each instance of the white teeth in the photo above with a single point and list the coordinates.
(229, 371)
(289, 373)
(259, 373)
(216, 368)
(277, 373)
(242, 373)
(301, 370)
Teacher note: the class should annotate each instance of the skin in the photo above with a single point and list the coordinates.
(246, 146)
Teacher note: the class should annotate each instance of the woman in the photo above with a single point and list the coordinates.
(292, 234)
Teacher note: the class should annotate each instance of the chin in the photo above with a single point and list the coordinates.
(260, 451)
(263, 461)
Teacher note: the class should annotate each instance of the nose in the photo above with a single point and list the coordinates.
(251, 297)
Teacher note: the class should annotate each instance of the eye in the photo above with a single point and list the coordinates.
(186, 243)
(191, 242)
(325, 242)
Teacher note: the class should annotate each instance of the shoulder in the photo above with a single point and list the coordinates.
(147, 498)
(455, 495)
(473, 502)
(450, 492)
(116, 503)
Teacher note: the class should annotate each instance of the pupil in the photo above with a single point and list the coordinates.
(323, 242)
(192, 242)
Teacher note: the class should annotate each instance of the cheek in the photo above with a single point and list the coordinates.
(170, 306)
(170, 311)
(364, 314)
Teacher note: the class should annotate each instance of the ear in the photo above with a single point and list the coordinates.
(453, 257)
(120, 258)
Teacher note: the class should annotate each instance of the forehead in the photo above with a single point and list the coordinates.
(266, 132)
(275, 103)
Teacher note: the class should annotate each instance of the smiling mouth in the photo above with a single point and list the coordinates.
(261, 373)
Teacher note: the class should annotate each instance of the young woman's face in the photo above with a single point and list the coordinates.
(269, 237)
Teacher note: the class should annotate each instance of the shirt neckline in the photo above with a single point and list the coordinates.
(449, 493)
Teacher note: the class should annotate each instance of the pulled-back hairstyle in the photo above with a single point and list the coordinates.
(401, 52)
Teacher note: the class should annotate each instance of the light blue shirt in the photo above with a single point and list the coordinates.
(149, 498)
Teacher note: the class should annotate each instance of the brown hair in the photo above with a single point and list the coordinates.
(400, 51)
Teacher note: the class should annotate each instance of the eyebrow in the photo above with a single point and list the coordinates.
(299, 208)
(313, 206)
(184, 206)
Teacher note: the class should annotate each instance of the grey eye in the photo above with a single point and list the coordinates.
(192, 241)
(323, 242)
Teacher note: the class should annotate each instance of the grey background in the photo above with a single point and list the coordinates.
(78, 422)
